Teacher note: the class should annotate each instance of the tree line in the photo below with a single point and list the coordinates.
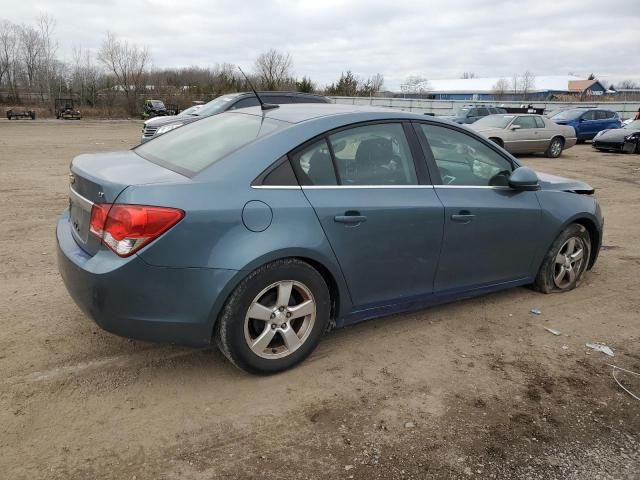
(120, 75)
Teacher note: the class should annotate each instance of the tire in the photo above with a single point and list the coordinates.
(560, 272)
(287, 340)
(554, 150)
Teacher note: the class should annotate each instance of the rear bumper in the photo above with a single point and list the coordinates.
(133, 299)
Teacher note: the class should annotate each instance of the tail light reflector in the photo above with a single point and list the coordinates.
(125, 229)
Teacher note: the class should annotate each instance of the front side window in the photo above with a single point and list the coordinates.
(483, 112)
(525, 122)
(590, 115)
(373, 155)
(463, 160)
(196, 146)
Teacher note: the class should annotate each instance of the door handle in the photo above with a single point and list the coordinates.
(350, 217)
(464, 216)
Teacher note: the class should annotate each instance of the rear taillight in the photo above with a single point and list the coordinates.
(127, 228)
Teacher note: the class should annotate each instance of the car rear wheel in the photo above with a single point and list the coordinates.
(554, 150)
(565, 263)
(274, 318)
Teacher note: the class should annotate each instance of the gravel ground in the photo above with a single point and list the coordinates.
(475, 389)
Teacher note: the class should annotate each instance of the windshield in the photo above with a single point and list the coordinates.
(196, 146)
(462, 112)
(217, 105)
(567, 115)
(157, 103)
(494, 121)
(635, 125)
(191, 110)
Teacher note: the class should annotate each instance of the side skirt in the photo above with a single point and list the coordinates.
(413, 304)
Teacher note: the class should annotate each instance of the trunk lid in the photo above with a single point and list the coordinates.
(100, 178)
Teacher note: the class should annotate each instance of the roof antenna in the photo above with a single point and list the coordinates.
(263, 106)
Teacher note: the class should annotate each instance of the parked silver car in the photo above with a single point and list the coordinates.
(526, 133)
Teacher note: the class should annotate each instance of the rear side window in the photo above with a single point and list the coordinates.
(604, 115)
(539, 122)
(196, 146)
(590, 115)
(373, 155)
(483, 112)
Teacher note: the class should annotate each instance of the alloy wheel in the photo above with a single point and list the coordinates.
(556, 148)
(280, 319)
(569, 262)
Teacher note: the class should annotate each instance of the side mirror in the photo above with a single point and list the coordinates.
(515, 127)
(523, 178)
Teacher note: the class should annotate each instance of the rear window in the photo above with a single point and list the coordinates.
(196, 146)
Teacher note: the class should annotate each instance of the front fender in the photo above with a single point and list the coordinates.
(561, 209)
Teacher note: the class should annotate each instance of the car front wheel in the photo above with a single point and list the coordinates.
(566, 262)
(274, 318)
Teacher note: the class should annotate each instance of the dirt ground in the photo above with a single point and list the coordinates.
(475, 389)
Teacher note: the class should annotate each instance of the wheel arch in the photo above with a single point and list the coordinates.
(340, 298)
(590, 223)
(498, 141)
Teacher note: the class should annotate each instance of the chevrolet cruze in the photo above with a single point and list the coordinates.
(259, 230)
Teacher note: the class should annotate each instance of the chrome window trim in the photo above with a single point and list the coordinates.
(276, 187)
(84, 202)
(534, 140)
(360, 187)
(493, 187)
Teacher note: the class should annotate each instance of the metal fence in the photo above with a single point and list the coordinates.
(447, 107)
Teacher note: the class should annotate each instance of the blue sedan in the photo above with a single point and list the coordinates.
(259, 230)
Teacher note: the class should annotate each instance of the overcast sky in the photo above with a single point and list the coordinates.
(435, 39)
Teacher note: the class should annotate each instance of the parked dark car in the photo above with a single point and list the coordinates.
(472, 113)
(587, 121)
(624, 140)
(158, 126)
(258, 230)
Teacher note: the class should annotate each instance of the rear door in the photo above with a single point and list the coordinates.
(491, 232)
(377, 208)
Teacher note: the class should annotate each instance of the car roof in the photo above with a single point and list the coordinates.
(281, 93)
(297, 113)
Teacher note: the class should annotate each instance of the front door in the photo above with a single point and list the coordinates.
(490, 231)
(382, 221)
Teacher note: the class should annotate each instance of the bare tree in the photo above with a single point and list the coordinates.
(415, 84)
(10, 57)
(527, 83)
(627, 84)
(515, 83)
(49, 66)
(128, 64)
(500, 88)
(372, 85)
(467, 75)
(30, 52)
(274, 69)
